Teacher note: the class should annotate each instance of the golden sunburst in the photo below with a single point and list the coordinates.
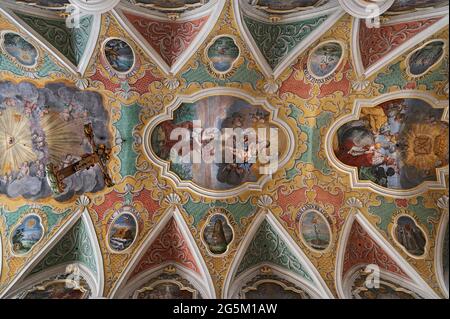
(15, 141)
(62, 137)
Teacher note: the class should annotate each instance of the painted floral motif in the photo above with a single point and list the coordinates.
(423, 59)
(362, 249)
(315, 230)
(375, 43)
(398, 144)
(410, 236)
(27, 234)
(218, 234)
(222, 54)
(169, 39)
(325, 59)
(119, 55)
(122, 232)
(268, 247)
(276, 41)
(20, 49)
(170, 245)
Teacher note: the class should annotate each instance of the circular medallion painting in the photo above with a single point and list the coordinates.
(119, 55)
(325, 59)
(20, 50)
(315, 230)
(122, 232)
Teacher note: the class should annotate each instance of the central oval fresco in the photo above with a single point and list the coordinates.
(219, 113)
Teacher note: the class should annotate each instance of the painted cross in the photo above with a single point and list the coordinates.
(100, 157)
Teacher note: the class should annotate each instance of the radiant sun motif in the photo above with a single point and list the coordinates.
(15, 141)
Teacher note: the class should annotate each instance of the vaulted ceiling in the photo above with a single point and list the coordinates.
(361, 103)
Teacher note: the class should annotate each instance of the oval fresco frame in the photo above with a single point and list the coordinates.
(168, 114)
(433, 66)
(425, 233)
(103, 53)
(319, 211)
(119, 212)
(338, 65)
(213, 212)
(39, 57)
(233, 66)
(19, 222)
(352, 171)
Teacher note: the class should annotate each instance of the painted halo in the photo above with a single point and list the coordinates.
(427, 57)
(325, 59)
(122, 231)
(119, 55)
(19, 50)
(315, 230)
(28, 232)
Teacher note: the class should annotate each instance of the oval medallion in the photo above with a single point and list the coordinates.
(27, 234)
(19, 49)
(425, 58)
(122, 232)
(315, 230)
(410, 236)
(222, 54)
(325, 59)
(119, 55)
(218, 234)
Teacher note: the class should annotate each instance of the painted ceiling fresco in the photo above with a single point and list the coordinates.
(362, 121)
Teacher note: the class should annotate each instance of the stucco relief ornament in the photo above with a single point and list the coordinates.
(82, 84)
(265, 201)
(364, 9)
(271, 87)
(353, 202)
(173, 199)
(83, 201)
(360, 85)
(442, 202)
(171, 83)
(95, 6)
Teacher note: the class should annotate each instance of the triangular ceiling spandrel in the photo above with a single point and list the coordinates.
(375, 47)
(169, 246)
(361, 249)
(69, 42)
(168, 38)
(267, 246)
(277, 40)
(375, 43)
(74, 247)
